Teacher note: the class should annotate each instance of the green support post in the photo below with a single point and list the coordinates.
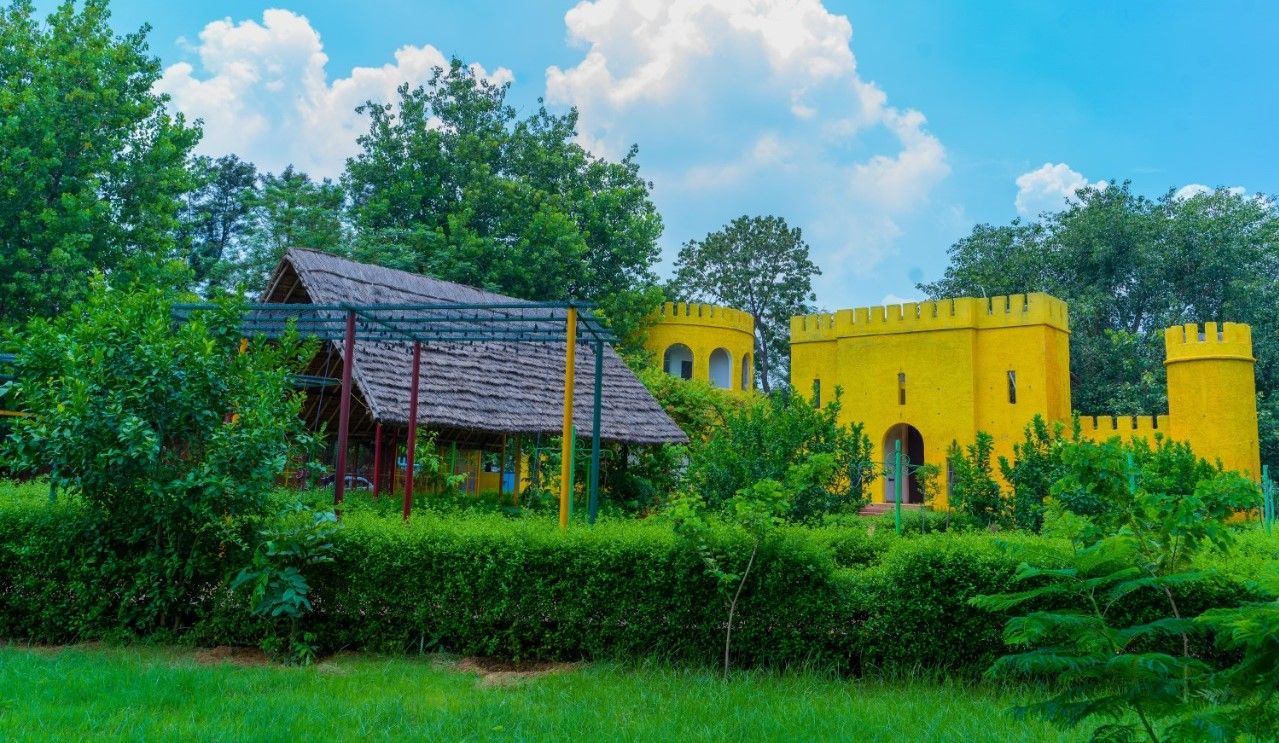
(572, 468)
(53, 484)
(1268, 500)
(897, 485)
(453, 459)
(593, 505)
(1132, 476)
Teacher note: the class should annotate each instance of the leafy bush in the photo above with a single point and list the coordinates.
(173, 437)
(787, 439)
(842, 597)
(1110, 624)
(297, 539)
(974, 492)
(1036, 465)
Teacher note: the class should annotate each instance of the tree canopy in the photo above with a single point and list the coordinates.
(1129, 266)
(756, 264)
(451, 182)
(92, 165)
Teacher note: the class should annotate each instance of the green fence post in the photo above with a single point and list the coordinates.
(1132, 476)
(1267, 500)
(53, 484)
(897, 485)
(593, 505)
(572, 469)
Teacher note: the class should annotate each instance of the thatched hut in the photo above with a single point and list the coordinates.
(477, 396)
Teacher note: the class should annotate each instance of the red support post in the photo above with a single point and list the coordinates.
(377, 460)
(412, 437)
(344, 411)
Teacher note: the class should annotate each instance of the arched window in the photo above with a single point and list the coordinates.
(721, 369)
(678, 361)
(746, 371)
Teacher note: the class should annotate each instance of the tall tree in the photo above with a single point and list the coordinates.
(451, 182)
(92, 165)
(756, 264)
(215, 216)
(1130, 266)
(290, 210)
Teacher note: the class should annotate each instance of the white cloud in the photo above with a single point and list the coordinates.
(1191, 190)
(264, 93)
(890, 299)
(751, 108)
(1050, 187)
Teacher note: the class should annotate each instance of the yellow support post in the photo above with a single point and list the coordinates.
(566, 442)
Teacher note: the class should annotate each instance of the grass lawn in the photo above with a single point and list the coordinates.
(85, 693)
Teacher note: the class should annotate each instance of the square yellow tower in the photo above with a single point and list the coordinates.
(932, 373)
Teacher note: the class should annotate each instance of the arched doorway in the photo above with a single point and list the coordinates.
(912, 454)
(678, 361)
(721, 367)
(746, 371)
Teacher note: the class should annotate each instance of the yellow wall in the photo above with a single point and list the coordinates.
(705, 328)
(956, 355)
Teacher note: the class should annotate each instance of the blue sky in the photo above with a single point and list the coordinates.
(884, 130)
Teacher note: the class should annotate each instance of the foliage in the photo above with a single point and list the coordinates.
(172, 436)
(1097, 479)
(92, 164)
(1080, 631)
(787, 439)
(449, 181)
(842, 598)
(1035, 467)
(759, 265)
(1250, 687)
(295, 540)
(974, 491)
(754, 513)
(1130, 266)
(288, 210)
(215, 216)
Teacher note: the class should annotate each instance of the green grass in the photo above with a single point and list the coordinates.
(146, 693)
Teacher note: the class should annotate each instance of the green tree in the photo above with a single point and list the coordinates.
(92, 165)
(825, 465)
(289, 210)
(174, 438)
(759, 265)
(1130, 266)
(975, 493)
(215, 217)
(449, 181)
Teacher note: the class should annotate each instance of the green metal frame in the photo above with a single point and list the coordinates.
(494, 322)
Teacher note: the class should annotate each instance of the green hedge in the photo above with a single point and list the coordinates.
(832, 597)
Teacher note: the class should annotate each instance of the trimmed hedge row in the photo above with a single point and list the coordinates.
(831, 597)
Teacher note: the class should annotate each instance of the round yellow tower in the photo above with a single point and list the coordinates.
(1212, 393)
(705, 341)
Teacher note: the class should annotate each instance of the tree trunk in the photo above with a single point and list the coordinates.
(732, 607)
(761, 352)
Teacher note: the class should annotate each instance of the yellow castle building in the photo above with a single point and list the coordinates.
(931, 373)
(705, 341)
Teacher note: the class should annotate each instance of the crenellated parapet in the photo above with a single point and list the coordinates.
(1013, 310)
(706, 315)
(1102, 427)
(1229, 341)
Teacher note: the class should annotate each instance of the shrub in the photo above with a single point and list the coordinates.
(787, 439)
(974, 492)
(1036, 465)
(840, 597)
(173, 437)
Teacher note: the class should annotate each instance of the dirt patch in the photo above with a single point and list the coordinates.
(498, 672)
(232, 656)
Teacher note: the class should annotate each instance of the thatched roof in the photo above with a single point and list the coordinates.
(483, 389)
